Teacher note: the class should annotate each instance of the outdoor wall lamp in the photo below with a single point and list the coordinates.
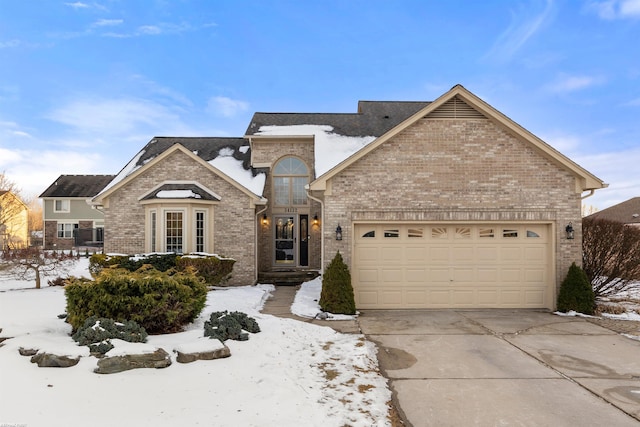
(338, 232)
(264, 219)
(569, 230)
(315, 219)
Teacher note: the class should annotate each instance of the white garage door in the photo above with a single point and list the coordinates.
(452, 266)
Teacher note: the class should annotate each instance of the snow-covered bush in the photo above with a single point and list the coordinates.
(224, 325)
(161, 302)
(337, 293)
(97, 333)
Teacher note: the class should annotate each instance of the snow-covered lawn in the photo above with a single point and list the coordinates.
(290, 374)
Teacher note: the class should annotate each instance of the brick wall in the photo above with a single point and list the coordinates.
(455, 170)
(233, 218)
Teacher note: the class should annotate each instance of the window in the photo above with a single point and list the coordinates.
(509, 233)
(415, 232)
(173, 232)
(486, 232)
(439, 232)
(61, 206)
(65, 231)
(154, 228)
(463, 233)
(199, 231)
(99, 234)
(531, 233)
(371, 233)
(391, 233)
(290, 176)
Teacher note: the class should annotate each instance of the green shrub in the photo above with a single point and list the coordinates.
(576, 292)
(337, 293)
(97, 333)
(224, 325)
(161, 302)
(212, 269)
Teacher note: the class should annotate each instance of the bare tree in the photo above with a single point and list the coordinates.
(35, 264)
(611, 255)
(13, 216)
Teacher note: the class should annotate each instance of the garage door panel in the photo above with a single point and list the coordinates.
(448, 266)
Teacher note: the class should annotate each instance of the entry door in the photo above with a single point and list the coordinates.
(285, 241)
(304, 240)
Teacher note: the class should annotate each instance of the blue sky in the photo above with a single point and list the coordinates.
(85, 84)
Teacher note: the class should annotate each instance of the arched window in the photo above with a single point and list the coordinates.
(290, 175)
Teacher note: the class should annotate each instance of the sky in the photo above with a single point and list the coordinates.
(84, 85)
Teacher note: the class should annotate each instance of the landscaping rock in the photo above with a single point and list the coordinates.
(218, 353)
(48, 360)
(111, 365)
(27, 351)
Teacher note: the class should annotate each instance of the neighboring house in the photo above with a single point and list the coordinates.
(69, 220)
(14, 221)
(443, 204)
(627, 213)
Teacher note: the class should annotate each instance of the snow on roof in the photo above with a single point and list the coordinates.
(230, 166)
(177, 194)
(129, 168)
(330, 148)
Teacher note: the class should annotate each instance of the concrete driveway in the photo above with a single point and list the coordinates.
(505, 368)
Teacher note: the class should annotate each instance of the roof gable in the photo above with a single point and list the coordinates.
(70, 186)
(459, 103)
(134, 169)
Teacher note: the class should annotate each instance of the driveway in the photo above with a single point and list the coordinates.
(505, 368)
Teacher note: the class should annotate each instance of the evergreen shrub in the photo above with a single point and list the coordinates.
(97, 333)
(213, 270)
(576, 292)
(160, 302)
(337, 293)
(224, 325)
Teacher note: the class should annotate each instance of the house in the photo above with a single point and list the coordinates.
(443, 204)
(14, 221)
(627, 213)
(69, 220)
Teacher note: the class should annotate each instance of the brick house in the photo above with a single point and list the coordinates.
(432, 204)
(69, 220)
(627, 213)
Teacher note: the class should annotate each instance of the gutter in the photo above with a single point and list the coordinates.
(321, 228)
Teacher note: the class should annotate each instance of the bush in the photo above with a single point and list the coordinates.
(576, 293)
(97, 333)
(212, 269)
(160, 302)
(224, 325)
(337, 293)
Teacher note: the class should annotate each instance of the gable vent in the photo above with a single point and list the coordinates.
(455, 108)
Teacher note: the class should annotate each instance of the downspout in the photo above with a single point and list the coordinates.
(588, 195)
(321, 228)
(255, 243)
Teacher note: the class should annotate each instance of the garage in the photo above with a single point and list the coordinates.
(488, 265)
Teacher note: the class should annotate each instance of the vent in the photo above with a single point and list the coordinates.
(455, 108)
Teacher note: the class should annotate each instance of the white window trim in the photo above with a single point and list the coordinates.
(63, 210)
(73, 226)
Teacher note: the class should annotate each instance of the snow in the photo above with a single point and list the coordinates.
(233, 169)
(126, 171)
(330, 148)
(292, 373)
(177, 194)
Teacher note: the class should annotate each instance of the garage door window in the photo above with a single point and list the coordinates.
(439, 232)
(531, 233)
(415, 233)
(463, 232)
(509, 233)
(486, 232)
(371, 233)
(391, 233)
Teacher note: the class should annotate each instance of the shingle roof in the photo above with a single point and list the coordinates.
(196, 192)
(626, 212)
(77, 185)
(373, 118)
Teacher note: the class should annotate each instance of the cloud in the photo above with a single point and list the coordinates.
(615, 9)
(77, 5)
(632, 103)
(115, 116)
(523, 27)
(107, 22)
(152, 30)
(10, 44)
(567, 83)
(226, 107)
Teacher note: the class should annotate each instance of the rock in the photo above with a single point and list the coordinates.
(2, 339)
(48, 360)
(27, 351)
(111, 365)
(218, 353)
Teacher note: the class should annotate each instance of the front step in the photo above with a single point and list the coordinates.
(290, 278)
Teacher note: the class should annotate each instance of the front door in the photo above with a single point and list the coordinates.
(304, 240)
(285, 241)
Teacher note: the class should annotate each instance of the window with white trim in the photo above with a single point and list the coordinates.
(174, 232)
(154, 229)
(290, 176)
(61, 205)
(200, 231)
(65, 231)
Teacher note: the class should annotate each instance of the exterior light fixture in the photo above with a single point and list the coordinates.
(338, 232)
(569, 230)
(264, 219)
(315, 219)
